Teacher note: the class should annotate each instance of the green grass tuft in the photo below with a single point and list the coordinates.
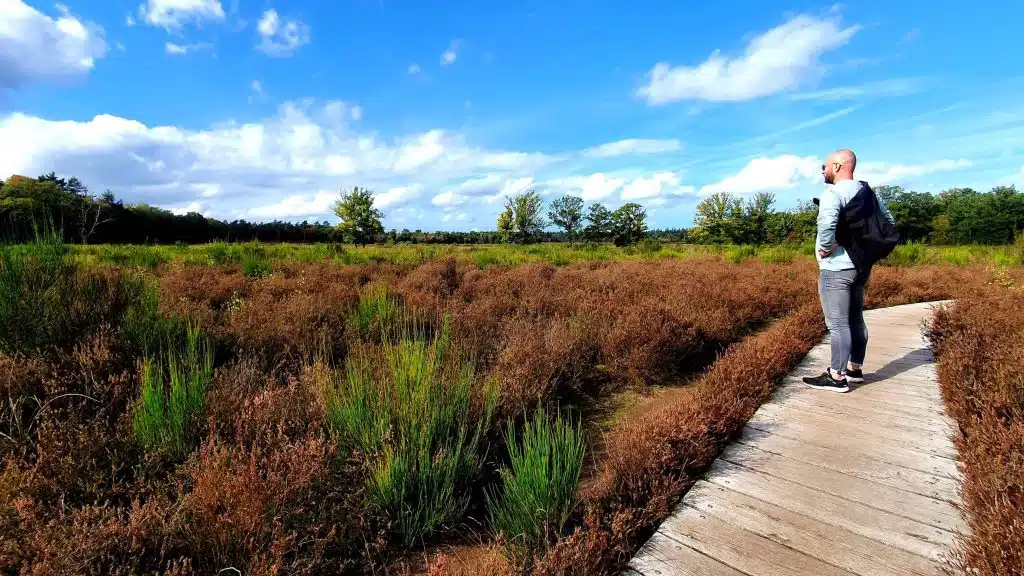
(170, 402)
(411, 419)
(378, 314)
(539, 489)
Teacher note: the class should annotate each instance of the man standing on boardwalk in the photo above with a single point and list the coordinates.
(845, 255)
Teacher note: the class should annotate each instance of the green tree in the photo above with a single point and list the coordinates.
(912, 211)
(756, 214)
(567, 213)
(505, 227)
(718, 217)
(360, 221)
(940, 230)
(629, 224)
(990, 218)
(27, 203)
(599, 226)
(527, 219)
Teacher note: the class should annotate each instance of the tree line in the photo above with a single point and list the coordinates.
(954, 216)
(523, 220)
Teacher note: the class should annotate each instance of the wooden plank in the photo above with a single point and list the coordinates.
(894, 431)
(924, 509)
(867, 413)
(842, 403)
(897, 412)
(663, 556)
(745, 551)
(922, 461)
(903, 533)
(855, 463)
(840, 547)
(853, 432)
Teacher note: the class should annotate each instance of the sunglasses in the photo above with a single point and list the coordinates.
(834, 164)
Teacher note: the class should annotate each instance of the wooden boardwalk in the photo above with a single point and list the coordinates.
(828, 484)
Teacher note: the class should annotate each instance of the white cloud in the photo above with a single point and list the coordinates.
(449, 199)
(173, 14)
(449, 55)
(657, 186)
(515, 186)
(597, 186)
(183, 49)
(633, 146)
(280, 37)
(414, 68)
(781, 59)
(766, 174)
(491, 188)
(396, 196)
(297, 206)
(356, 112)
(129, 20)
(257, 87)
(36, 48)
(654, 188)
(187, 208)
(304, 149)
(882, 173)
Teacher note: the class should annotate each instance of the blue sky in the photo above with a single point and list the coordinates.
(263, 109)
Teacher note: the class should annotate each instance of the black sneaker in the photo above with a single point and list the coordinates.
(855, 376)
(827, 382)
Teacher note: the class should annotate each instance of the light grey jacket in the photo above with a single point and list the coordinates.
(829, 207)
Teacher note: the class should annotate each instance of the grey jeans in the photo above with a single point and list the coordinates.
(842, 301)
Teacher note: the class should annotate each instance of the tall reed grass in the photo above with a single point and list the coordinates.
(36, 286)
(377, 315)
(538, 489)
(172, 396)
(411, 417)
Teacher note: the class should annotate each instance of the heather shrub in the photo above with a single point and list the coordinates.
(538, 490)
(979, 344)
(652, 457)
(411, 417)
(170, 403)
(336, 463)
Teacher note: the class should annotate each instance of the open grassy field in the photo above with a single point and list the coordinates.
(282, 409)
(255, 255)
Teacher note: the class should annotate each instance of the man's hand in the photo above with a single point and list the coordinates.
(827, 253)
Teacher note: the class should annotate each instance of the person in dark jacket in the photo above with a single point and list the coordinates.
(840, 284)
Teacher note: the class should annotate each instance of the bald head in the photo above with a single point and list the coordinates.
(840, 166)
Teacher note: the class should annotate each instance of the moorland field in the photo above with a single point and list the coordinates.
(327, 409)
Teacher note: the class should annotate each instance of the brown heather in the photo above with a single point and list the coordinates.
(980, 347)
(266, 491)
